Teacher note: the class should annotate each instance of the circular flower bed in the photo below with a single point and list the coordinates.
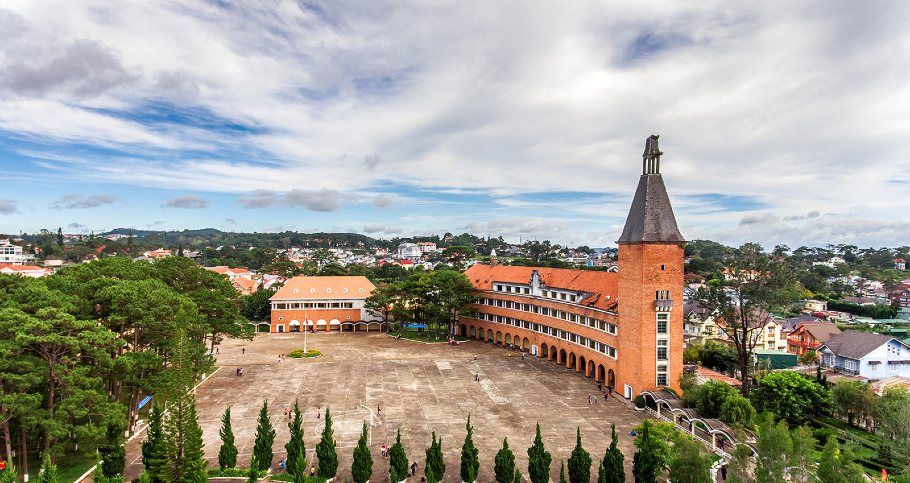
(300, 354)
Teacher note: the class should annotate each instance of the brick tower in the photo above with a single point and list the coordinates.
(650, 294)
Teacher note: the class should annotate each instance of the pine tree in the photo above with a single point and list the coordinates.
(325, 450)
(774, 448)
(504, 464)
(398, 461)
(265, 436)
(362, 467)
(113, 454)
(646, 464)
(579, 462)
(801, 467)
(227, 455)
(611, 467)
(48, 472)
(470, 465)
(538, 460)
(60, 236)
(183, 443)
(690, 464)
(294, 447)
(562, 472)
(153, 456)
(435, 467)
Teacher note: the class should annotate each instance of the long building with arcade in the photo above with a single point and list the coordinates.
(623, 328)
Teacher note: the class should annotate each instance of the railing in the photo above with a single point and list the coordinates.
(663, 305)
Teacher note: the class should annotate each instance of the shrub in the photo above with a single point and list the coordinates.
(300, 354)
(737, 410)
(711, 398)
(231, 472)
(639, 401)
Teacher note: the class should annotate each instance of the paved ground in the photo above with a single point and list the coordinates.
(421, 387)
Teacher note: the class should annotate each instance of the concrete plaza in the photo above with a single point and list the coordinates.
(420, 387)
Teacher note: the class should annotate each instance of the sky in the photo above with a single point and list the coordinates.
(781, 122)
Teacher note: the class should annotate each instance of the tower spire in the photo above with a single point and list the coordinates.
(650, 160)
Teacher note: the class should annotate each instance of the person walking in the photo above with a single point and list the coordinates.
(414, 469)
(242, 350)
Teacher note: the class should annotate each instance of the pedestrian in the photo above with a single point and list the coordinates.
(217, 350)
(414, 469)
(285, 413)
(241, 371)
(237, 371)
(242, 350)
(723, 472)
(475, 357)
(317, 414)
(379, 413)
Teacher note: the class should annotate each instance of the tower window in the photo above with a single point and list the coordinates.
(663, 267)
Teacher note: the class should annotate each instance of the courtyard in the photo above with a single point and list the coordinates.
(420, 388)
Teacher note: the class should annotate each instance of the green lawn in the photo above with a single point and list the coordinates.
(69, 465)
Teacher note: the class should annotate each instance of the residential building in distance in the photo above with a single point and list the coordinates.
(809, 336)
(409, 251)
(244, 280)
(426, 247)
(158, 253)
(698, 324)
(322, 303)
(14, 254)
(865, 354)
(810, 306)
(900, 296)
(33, 271)
(900, 264)
(623, 328)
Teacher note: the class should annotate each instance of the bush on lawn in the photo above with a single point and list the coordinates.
(231, 472)
(300, 354)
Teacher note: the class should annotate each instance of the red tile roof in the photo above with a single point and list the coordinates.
(602, 286)
(329, 287)
(705, 373)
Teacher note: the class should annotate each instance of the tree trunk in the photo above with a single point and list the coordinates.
(9, 440)
(744, 372)
(50, 412)
(23, 451)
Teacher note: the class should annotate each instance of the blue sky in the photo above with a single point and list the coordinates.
(780, 123)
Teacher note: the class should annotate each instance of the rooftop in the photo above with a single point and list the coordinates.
(602, 286)
(329, 287)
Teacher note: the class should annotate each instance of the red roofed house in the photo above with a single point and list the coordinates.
(809, 336)
(33, 271)
(900, 264)
(245, 281)
(624, 329)
(322, 303)
(158, 253)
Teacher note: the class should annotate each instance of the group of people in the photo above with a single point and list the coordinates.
(280, 358)
(238, 371)
(452, 341)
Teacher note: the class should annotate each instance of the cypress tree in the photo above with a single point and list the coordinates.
(265, 436)
(253, 474)
(398, 461)
(113, 455)
(362, 467)
(611, 468)
(294, 446)
(538, 460)
(153, 447)
(470, 465)
(579, 462)
(646, 464)
(48, 472)
(504, 464)
(325, 450)
(562, 472)
(435, 467)
(227, 455)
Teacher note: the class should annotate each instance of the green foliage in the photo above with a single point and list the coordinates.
(10, 474)
(652, 456)
(227, 454)
(611, 467)
(579, 462)
(362, 467)
(689, 464)
(740, 468)
(774, 448)
(852, 399)
(295, 461)
(562, 472)
(434, 466)
(113, 454)
(153, 448)
(48, 472)
(398, 460)
(790, 396)
(183, 443)
(711, 398)
(538, 460)
(837, 466)
(253, 471)
(256, 306)
(300, 354)
(232, 472)
(265, 436)
(801, 464)
(737, 411)
(660, 435)
(470, 465)
(504, 464)
(325, 449)
(892, 417)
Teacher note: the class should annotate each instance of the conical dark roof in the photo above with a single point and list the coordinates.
(651, 217)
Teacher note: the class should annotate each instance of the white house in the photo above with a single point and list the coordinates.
(864, 354)
(409, 251)
(24, 270)
(13, 254)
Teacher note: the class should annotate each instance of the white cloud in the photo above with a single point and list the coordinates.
(797, 107)
(8, 206)
(77, 201)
